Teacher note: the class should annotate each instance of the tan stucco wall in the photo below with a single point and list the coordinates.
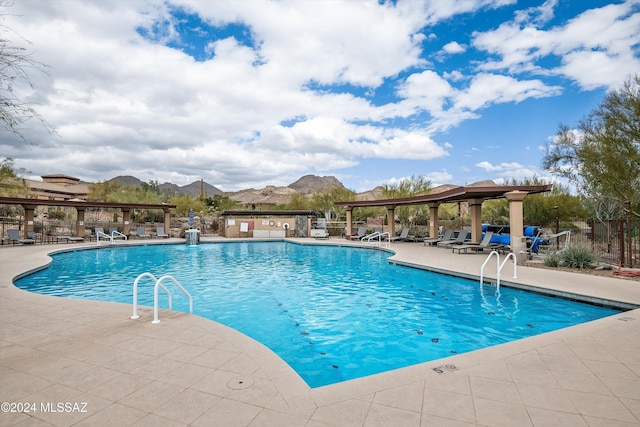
(258, 227)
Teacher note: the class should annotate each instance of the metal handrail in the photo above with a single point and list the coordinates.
(485, 263)
(158, 284)
(135, 293)
(155, 296)
(499, 266)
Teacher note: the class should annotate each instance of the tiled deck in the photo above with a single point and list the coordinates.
(191, 371)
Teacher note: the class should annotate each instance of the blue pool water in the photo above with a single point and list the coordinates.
(332, 313)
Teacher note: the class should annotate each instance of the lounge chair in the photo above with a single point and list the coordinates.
(360, 234)
(476, 247)
(403, 236)
(68, 239)
(160, 233)
(322, 235)
(141, 233)
(416, 237)
(462, 236)
(448, 234)
(14, 237)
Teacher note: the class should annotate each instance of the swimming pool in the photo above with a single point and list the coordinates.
(332, 313)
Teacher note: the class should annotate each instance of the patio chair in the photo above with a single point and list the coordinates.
(142, 234)
(476, 247)
(160, 233)
(14, 237)
(322, 235)
(403, 236)
(462, 236)
(448, 234)
(360, 234)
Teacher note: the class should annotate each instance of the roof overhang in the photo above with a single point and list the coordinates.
(272, 212)
(79, 204)
(454, 195)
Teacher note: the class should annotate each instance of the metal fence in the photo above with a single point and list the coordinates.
(614, 241)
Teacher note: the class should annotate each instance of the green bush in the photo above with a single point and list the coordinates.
(553, 259)
(578, 256)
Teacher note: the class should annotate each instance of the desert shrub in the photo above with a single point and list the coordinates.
(553, 259)
(578, 256)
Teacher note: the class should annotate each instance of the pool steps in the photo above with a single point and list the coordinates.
(158, 284)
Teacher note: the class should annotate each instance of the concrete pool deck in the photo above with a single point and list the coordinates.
(72, 362)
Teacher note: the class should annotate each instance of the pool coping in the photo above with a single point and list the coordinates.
(296, 401)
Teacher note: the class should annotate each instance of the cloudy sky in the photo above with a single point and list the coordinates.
(253, 93)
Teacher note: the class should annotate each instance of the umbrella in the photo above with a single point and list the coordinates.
(190, 218)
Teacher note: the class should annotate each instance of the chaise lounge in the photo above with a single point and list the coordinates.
(476, 247)
(142, 234)
(459, 240)
(14, 237)
(448, 234)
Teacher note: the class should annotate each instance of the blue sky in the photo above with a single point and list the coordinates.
(254, 93)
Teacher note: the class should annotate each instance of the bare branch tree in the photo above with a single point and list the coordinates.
(15, 64)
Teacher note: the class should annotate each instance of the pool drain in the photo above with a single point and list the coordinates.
(240, 383)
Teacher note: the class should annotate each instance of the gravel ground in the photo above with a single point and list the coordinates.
(591, 271)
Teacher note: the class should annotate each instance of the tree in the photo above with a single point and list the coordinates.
(299, 201)
(221, 202)
(408, 187)
(15, 62)
(185, 202)
(324, 201)
(11, 185)
(601, 157)
(103, 191)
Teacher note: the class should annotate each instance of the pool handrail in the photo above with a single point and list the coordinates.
(155, 296)
(515, 262)
(497, 267)
(135, 293)
(100, 234)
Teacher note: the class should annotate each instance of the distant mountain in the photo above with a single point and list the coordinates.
(313, 183)
(270, 195)
(375, 194)
(192, 189)
(126, 181)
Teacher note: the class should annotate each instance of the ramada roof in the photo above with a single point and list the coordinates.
(452, 195)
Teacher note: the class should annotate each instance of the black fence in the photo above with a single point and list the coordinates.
(616, 242)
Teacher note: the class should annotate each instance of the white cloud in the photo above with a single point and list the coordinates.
(486, 89)
(487, 166)
(453, 48)
(298, 98)
(597, 48)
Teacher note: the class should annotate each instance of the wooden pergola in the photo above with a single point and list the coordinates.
(29, 206)
(474, 195)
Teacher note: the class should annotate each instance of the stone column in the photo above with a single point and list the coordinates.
(391, 220)
(126, 218)
(476, 220)
(167, 222)
(349, 225)
(80, 222)
(28, 219)
(433, 220)
(516, 223)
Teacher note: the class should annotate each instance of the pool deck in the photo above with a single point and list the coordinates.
(86, 363)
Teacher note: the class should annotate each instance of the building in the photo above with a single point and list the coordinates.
(58, 187)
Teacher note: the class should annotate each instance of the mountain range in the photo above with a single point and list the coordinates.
(307, 184)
